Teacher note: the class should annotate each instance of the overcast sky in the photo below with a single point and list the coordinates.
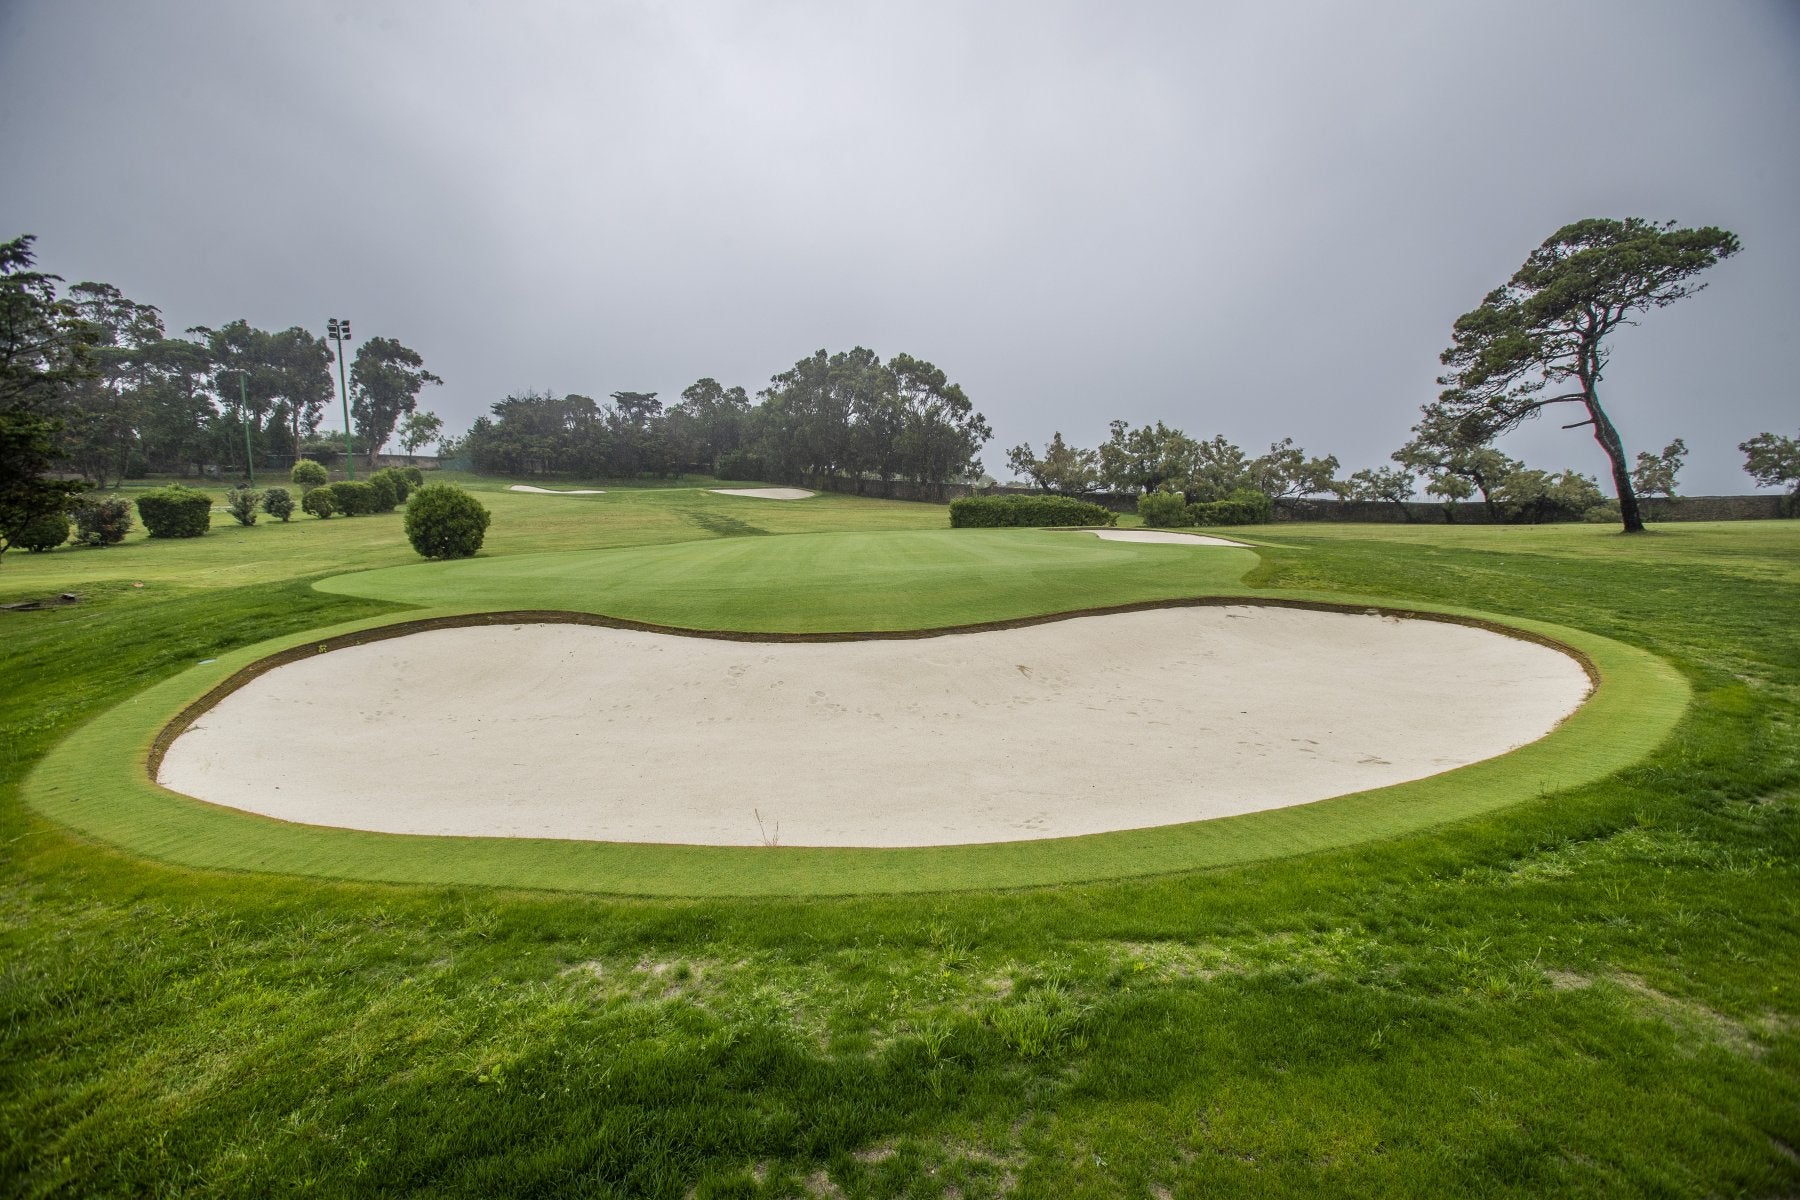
(1254, 219)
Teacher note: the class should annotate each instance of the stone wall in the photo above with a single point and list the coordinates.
(1467, 512)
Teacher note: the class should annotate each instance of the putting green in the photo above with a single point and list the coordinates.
(98, 781)
(821, 582)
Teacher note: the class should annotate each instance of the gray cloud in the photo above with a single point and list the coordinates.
(1255, 219)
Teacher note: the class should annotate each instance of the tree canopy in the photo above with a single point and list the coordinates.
(45, 349)
(385, 382)
(1545, 329)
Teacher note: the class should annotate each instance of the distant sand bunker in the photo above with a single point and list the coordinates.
(767, 493)
(1070, 727)
(1162, 537)
(538, 491)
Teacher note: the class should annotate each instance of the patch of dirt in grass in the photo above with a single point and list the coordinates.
(1698, 1024)
(1567, 981)
(820, 1184)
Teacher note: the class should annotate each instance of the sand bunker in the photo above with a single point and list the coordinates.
(538, 491)
(1163, 537)
(1095, 723)
(766, 493)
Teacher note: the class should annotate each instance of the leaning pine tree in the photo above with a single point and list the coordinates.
(1546, 328)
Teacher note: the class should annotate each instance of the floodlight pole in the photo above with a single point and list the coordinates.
(340, 333)
(244, 413)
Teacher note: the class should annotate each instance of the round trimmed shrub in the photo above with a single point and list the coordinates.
(102, 521)
(308, 475)
(46, 531)
(354, 498)
(175, 511)
(241, 504)
(445, 522)
(415, 478)
(318, 502)
(386, 491)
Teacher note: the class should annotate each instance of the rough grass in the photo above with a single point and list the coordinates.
(1588, 995)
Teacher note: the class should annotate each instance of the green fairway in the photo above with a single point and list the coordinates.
(1568, 971)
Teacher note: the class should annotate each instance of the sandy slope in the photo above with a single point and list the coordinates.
(766, 493)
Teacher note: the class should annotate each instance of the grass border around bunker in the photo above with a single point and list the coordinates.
(100, 783)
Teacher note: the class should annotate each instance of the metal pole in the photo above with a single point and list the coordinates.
(244, 412)
(344, 389)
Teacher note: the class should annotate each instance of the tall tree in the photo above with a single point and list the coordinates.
(385, 382)
(1147, 458)
(1285, 474)
(107, 409)
(1071, 470)
(286, 379)
(1773, 460)
(716, 417)
(1547, 327)
(420, 428)
(44, 351)
(941, 433)
(1454, 466)
(1654, 475)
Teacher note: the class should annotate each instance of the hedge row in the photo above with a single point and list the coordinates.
(1166, 510)
(175, 511)
(998, 512)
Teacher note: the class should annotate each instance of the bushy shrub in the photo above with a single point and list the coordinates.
(46, 531)
(1245, 506)
(385, 491)
(175, 511)
(308, 475)
(278, 503)
(1602, 514)
(740, 464)
(102, 521)
(319, 503)
(445, 522)
(355, 498)
(403, 487)
(415, 478)
(1164, 510)
(241, 504)
(996, 512)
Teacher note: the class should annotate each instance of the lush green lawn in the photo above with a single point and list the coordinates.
(1590, 993)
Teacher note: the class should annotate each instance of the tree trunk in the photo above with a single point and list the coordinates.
(1608, 437)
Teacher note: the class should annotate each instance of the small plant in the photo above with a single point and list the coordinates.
(46, 531)
(445, 522)
(319, 503)
(415, 478)
(103, 521)
(242, 504)
(175, 512)
(354, 498)
(278, 502)
(1164, 510)
(386, 490)
(308, 475)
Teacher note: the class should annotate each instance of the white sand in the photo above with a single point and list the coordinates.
(1162, 536)
(538, 491)
(766, 493)
(1095, 723)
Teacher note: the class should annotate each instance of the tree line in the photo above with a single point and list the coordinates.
(144, 401)
(848, 415)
